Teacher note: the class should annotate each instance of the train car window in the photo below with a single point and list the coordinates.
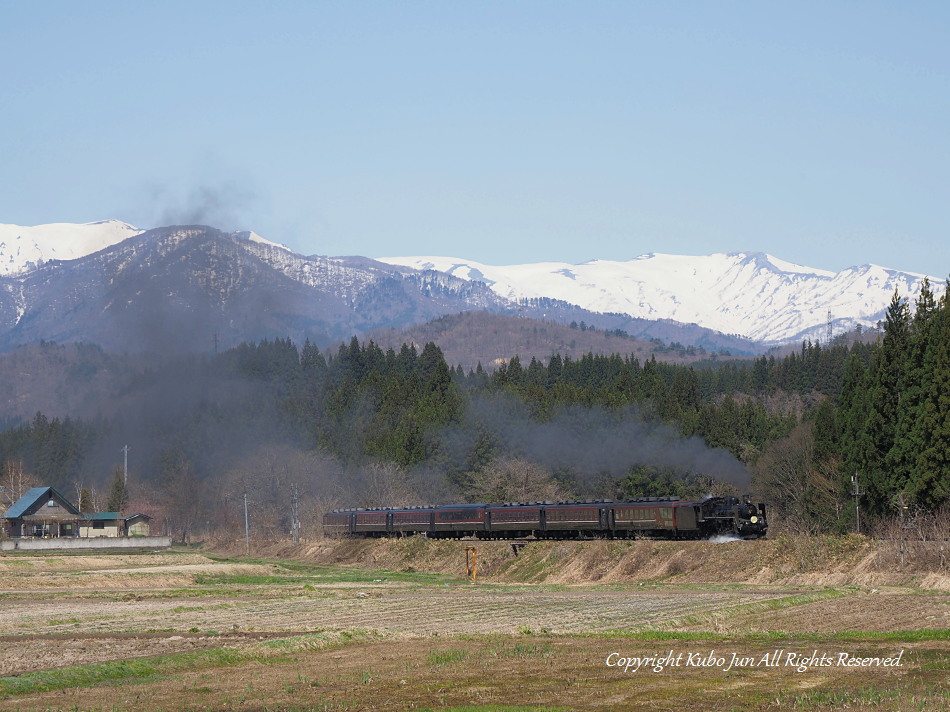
(458, 515)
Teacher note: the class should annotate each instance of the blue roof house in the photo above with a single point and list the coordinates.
(42, 512)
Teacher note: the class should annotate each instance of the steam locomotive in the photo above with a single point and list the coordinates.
(654, 517)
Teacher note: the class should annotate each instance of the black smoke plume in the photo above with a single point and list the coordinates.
(590, 443)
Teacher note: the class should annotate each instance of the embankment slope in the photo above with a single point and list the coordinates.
(811, 561)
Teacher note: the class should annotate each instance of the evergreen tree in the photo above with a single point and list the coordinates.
(910, 432)
(118, 496)
(931, 483)
(885, 395)
(85, 500)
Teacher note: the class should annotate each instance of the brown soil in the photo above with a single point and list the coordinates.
(816, 561)
(535, 630)
(537, 672)
(24, 653)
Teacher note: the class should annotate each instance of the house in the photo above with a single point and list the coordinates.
(137, 524)
(42, 512)
(97, 524)
(101, 524)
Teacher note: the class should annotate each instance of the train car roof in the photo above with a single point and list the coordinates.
(676, 501)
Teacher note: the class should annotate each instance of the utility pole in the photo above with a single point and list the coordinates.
(125, 467)
(214, 338)
(247, 530)
(857, 491)
(294, 514)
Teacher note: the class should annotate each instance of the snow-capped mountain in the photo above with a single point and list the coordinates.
(116, 285)
(24, 248)
(751, 294)
(181, 288)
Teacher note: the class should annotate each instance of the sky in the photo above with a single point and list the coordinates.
(502, 132)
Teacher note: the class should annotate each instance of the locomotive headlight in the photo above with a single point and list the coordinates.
(754, 519)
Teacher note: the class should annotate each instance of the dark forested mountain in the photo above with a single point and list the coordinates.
(174, 289)
(367, 425)
(191, 288)
(221, 366)
(479, 337)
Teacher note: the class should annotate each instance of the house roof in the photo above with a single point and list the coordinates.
(127, 517)
(101, 516)
(32, 496)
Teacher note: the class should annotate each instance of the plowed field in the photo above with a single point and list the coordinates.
(189, 630)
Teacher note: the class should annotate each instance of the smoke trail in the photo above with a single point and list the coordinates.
(592, 442)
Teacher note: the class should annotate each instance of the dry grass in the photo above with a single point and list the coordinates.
(193, 631)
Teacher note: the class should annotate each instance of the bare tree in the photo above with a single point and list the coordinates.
(806, 495)
(384, 485)
(268, 476)
(183, 496)
(514, 479)
(14, 482)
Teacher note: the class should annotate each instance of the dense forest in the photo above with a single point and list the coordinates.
(359, 425)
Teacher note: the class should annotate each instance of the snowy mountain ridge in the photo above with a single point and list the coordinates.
(751, 294)
(23, 248)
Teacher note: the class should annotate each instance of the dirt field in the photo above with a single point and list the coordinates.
(398, 625)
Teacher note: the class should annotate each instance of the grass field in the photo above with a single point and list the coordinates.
(186, 630)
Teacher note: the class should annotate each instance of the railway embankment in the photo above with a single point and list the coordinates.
(806, 561)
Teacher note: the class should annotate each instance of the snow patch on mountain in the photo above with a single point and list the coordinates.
(252, 236)
(23, 248)
(751, 294)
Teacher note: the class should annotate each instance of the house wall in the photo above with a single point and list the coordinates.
(110, 530)
(139, 529)
(56, 508)
(138, 542)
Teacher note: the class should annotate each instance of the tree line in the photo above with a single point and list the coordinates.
(358, 424)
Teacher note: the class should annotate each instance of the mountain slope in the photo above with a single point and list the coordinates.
(24, 248)
(193, 286)
(481, 337)
(188, 288)
(178, 288)
(754, 295)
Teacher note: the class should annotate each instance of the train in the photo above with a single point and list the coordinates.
(642, 517)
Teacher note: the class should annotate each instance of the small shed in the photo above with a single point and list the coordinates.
(137, 524)
(95, 524)
(42, 512)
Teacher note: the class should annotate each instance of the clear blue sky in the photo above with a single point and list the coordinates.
(499, 131)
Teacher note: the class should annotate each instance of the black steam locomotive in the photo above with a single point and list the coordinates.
(667, 517)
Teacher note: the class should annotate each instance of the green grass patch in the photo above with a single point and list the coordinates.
(772, 604)
(895, 636)
(495, 708)
(877, 697)
(157, 667)
(444, 657)
(315, 574)
(248, 580)
(525, 651)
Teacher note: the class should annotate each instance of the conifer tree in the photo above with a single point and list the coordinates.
(909, 430)
(931, 483)
(885, 394)
(118, 496)
(85, 500)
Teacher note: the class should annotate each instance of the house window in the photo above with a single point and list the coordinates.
(99, 525)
